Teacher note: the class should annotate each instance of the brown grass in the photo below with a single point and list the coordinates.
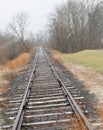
(20, 61)
(10, 70)
(57, 56)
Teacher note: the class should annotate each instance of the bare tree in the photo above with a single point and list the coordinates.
(18, 27)
(76, 25)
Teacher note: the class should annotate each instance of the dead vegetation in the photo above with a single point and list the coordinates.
(19, 62)
(10, 70)
(56, 55)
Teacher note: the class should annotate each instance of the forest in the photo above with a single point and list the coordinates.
(76, 25)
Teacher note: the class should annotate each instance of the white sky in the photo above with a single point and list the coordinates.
(37, 10)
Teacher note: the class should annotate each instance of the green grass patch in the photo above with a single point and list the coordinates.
(88, 58)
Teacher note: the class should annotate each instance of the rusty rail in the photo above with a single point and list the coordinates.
(19, 118)
(81, 117)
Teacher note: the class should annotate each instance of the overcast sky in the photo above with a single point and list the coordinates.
(37, 10)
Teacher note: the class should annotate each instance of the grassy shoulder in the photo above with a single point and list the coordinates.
(88, 58)
(93, 81)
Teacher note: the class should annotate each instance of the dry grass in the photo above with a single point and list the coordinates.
(19, 62)
(57, 55)
(10, 70)
(8, 73)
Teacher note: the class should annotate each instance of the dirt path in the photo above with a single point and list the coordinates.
(93, 80)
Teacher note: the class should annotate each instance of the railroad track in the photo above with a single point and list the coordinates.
(46, 104)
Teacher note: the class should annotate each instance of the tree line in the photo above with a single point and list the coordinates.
(76, 25)
(15, 39)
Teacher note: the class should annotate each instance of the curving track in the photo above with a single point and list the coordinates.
(47, 104)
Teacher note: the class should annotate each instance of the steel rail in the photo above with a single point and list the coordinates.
(19, 118)
(81, 117)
